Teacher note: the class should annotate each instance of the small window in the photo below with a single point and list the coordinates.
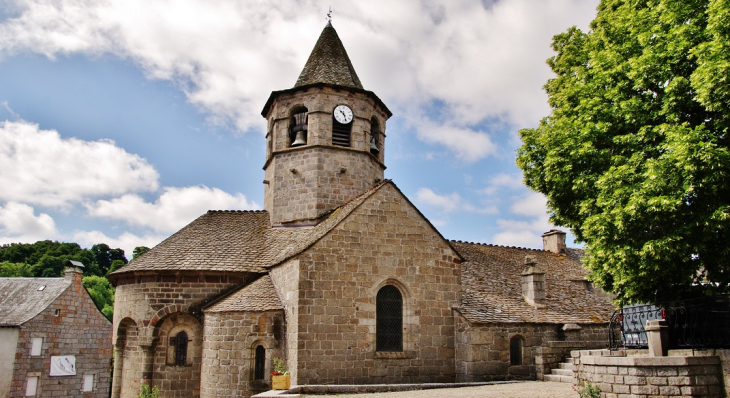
(180, 344)
(259, 363)
(56, 312)
(389, 319)
(31, 386)
(88, 383)
(515, 351)
(36, 345)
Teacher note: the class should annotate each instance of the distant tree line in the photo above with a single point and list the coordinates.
(47, 259)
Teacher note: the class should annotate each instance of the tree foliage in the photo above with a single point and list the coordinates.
(634, 157)
(47, 259)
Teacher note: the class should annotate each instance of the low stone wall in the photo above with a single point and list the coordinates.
(644, 376)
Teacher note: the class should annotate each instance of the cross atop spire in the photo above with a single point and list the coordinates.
(328, 63)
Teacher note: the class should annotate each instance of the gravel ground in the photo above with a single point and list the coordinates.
(529, 389)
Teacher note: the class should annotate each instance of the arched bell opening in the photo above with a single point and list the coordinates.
(298, 127)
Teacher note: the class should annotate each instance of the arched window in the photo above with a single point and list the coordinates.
(515, 350)
(389, 319)
(180, 342)
(374, 136)
(342, 119)
(298, 127)
(259, 363)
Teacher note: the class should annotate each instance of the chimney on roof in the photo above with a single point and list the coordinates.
(533, 283)
(554, 241)
(73, 272)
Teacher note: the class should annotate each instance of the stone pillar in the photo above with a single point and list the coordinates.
(657, 334)
(117, 378)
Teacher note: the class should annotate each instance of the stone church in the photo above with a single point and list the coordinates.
(341, 275)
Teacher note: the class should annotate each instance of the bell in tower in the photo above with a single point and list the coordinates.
(325, 143)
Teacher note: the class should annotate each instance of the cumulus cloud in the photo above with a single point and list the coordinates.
(126, 241)
(174, 209)
(481, 62)
(44, 169)
(502, 180)
(525, 232)
(449, 203)
(19, 223)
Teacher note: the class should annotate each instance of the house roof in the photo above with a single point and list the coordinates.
(492, 287)
(21, 299)
(328, 63)
(259, 295)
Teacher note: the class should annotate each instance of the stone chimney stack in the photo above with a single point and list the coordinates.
(554, 241)
(74, 272)
(533, 283)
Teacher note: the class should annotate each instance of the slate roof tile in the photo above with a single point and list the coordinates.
(328, 63)
(21, 299)
(492, 287)
(259, 295)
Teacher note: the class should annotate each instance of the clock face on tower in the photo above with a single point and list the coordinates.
(343, 114)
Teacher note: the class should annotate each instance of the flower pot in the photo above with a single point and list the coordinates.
(280, 382)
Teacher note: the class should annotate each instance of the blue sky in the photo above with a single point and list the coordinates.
(123, 120)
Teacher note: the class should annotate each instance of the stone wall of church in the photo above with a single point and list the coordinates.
(483, 350)
(324, 176)
(155, 305)
(384, 242)
(286, 281)
(307, 182)
(229, 352)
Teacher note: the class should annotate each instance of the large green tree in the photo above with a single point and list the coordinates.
(634, 157)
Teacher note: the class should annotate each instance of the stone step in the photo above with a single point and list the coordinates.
(562, 372)
(566, 365)
(561, 379)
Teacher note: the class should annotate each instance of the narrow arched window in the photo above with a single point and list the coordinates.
(298, 127)
(181, 348)
(389, 319)
(259, 363)
(515, 351)
(374, 136)
(342, 118)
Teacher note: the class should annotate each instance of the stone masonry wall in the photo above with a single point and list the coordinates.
(286, 281)
(229, 352)
(383, 242)
(644, 376)
(320, 184)
(306, 182)
(79, 329)
(483, 351)
(148, 302)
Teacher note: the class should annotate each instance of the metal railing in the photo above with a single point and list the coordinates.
(696, 323)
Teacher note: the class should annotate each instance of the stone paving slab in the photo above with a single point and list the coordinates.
(530, 389)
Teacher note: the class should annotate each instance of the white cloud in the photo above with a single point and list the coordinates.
(502, 180)
(525, 232)
(126, 241)
(18, 223)
(43, 168)
(174, 209)
(449, 203)
(479, 62)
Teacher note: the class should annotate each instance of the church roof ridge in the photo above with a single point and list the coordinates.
(328, 63)
(493, 245)
(236, 211)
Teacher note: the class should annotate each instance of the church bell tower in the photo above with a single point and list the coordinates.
(325, 138)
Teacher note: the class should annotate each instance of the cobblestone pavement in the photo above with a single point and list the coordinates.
(529, 389)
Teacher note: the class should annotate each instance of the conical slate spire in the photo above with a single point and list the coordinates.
(329, 63)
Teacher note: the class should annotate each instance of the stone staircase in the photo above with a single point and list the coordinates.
(563, 373)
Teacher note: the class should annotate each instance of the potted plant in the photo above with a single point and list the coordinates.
(280, 375)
